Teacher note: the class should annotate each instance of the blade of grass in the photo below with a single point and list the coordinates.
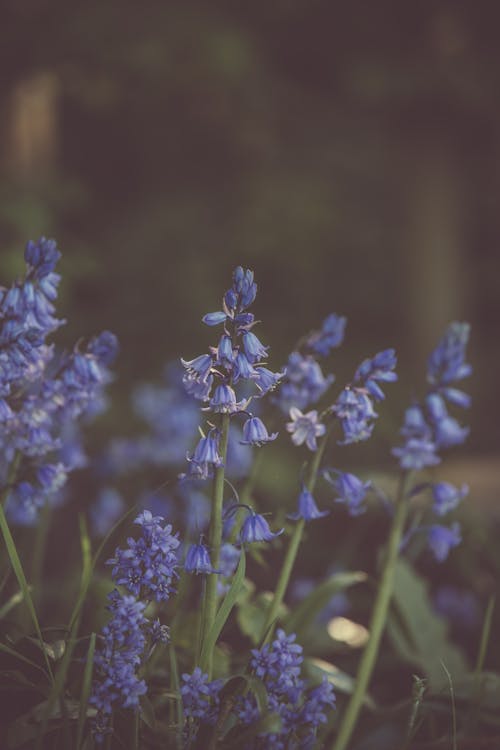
(14, 600)
(175, 685)
(85, 694)
(223, 612)
(21, 657)
(453, 707)
(17, 567)
(60, 680)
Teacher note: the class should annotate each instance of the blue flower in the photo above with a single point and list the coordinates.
(350, 490)
(254, 349)
(447, 361)
(266, 380)
(329, 337)
(355, 411)
(303, 384)
(200, 697)
(256, 529)
(308, 510)
(379, 368)
(443, 538)
(255, 433)
(198, 560)
(207, 450)
(224, 400)
(446, 496)
(416, 454)
(148, 567)
(305, 428)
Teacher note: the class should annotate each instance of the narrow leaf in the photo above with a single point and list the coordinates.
(223, 612)
(85, 693)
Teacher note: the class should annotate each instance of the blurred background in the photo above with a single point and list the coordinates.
(347, 152)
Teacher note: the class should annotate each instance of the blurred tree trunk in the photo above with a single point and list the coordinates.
(30, 128)
(435, 245)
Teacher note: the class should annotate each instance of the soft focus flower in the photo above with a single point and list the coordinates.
(308, 510)
(350, 490)
(446, 496)
(443, 538)
(305, 428)
(198, 560)
(256, 529)
(329, 337)
(255, 433)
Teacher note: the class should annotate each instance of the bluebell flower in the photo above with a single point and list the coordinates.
(256, 529)
(447, 362)
(243, 368)
(356, 414)
(266, 380)
(305, 428)
(350, 490)
(460, 607)
(303, 384)
(308, 510)
(254, 349)
(416, 454)
(229, 559)
(198, 560)
(225, 351)
(215, 318)
(255, 433)
(244, 286)
(148, 567)
(379, 368)
(116, 662)
(329, 337)
(200, 696)
(224, 400)
(446, 496)
(24, 503)
(443, 538)
(106, 510)
(207, 450)
(199, 367)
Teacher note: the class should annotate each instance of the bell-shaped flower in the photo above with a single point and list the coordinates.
(255, 433)
(256, 529)
(308, 510)
(198, 560)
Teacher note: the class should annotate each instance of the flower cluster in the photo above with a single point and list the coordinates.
(42, 395)
(429, 428)
(147, 568)
(278, 665)
(237, 359)
(354, 407)
(301, 710)
(304, 382)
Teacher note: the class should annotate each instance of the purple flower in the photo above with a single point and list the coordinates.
(329, 337)
(443, 538)
(198, 560)
(256, 529)
(255, 433)
(305, 428)
(308, 510)
(350, 490)
(446, 496)
(416, 454)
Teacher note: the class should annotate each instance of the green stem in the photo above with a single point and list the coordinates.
(293, 547)
(378, 619)
(39, 551)
(215, 539)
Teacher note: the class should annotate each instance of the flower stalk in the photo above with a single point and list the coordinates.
(378, 619)
(293, 546)
(215, 541)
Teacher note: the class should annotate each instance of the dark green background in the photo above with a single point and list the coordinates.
(347, 152)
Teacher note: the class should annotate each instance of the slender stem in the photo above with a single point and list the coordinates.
(378, 619)
(215, 539)
(293, 547)
(39, 546)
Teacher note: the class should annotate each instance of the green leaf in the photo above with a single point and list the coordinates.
(223, 612)
(21, 657)
(252, 615)
(60, 681)
(418, 634)
(147, 712)
(267, 724)
(311, 606)
(317, 669)
(21, 579)
(85, 693)
(14, 600)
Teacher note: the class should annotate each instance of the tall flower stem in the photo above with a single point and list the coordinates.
(293, 547)
(215, 540)
(378, 619)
